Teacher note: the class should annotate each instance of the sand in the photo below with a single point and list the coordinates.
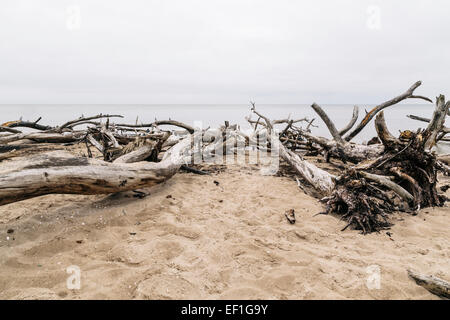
(193, 239)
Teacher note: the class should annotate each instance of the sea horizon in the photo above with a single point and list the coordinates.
(214, 115)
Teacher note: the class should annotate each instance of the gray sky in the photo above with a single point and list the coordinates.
(221, 51)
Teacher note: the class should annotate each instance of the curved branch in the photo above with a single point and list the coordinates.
(383, 133)
(352, 121)
(369, 116)
(83, 119)
(330, 125)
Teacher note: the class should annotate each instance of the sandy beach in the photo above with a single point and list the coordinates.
(221, 236)
(224, 150)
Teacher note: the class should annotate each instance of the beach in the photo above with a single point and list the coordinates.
(219, 236)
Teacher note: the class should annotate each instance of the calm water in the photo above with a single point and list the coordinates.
(214, 115)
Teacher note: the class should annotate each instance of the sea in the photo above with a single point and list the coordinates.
(214, 115)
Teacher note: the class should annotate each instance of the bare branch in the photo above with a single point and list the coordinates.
(437, 122)
(369, 116)
(82, 119)
(352, 121)
(330, 125)
(159, 123)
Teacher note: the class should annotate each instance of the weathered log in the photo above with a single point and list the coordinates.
(137, 155)
(62, 173)
(320, 179)
(433, 284)
(7, 129)
(348, 151)
(50, 137)
(159, 123)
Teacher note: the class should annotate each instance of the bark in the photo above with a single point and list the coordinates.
(437, 121)
(158, 123)
(62, 173)
(351, 123)
(27, 124)
(321, 180)
(433, 284)
(382, 131)
(49, 137)
(330, 125)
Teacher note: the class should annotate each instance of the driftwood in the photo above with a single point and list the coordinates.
(352, 121)
(26, 124)
(372, 181)
(61, 172)
(409, 94)
(399, 174)
(433, 284)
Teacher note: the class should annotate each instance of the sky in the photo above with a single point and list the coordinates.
(221, 51)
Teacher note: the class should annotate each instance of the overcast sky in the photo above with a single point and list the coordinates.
(221, 51)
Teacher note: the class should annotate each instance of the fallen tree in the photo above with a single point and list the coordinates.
(401, 176)
(62, 172)
(395, 173)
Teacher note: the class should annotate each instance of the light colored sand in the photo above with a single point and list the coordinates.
(229, 241)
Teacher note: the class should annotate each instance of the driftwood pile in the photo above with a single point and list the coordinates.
(390, 174)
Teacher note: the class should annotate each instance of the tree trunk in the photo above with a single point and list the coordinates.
(62, 173)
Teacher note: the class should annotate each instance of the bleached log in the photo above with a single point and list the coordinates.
(50, 137)
(62, 173)
(135, 156)
(8, 129)
(433, 284)
(95, 143)
(320, 179)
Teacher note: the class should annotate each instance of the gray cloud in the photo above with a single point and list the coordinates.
(221, 51)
